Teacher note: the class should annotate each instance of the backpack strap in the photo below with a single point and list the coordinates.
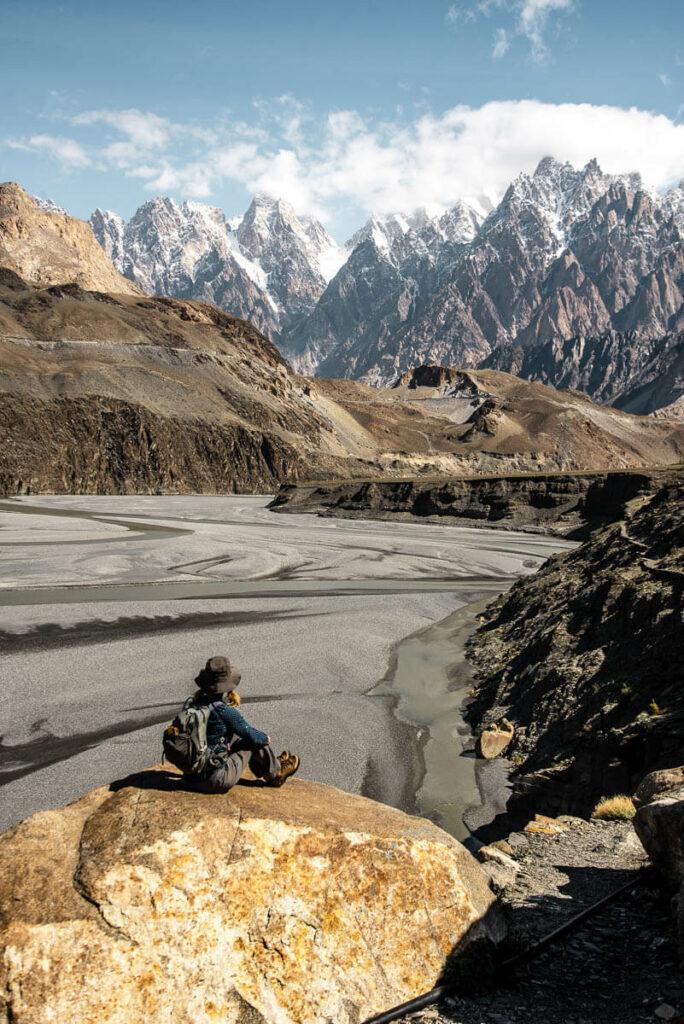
(217, 704)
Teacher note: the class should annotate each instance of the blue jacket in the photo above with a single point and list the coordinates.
(225, 721)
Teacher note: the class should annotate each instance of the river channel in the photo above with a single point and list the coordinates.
(348, 633)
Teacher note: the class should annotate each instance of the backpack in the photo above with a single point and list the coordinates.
(185, 739)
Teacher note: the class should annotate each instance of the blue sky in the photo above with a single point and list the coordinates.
(341, 108)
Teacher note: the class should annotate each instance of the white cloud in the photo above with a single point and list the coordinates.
(459, 12)
(144, 130)
(501, 43)
(436, 159)
(67, 151)
(665, 79)
(533, 19)
(530, 19)
(345, 166)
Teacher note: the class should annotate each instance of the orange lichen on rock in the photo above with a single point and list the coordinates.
(294, 906)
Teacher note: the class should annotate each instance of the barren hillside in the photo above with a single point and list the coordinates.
(51, 248)
(126, 393)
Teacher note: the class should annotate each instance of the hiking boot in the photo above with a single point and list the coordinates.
(289, 764)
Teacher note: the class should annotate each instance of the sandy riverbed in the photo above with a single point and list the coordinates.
(109, 610)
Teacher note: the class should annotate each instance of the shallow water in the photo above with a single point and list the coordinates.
(430, 679)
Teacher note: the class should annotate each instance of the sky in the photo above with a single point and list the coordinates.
(341, 108)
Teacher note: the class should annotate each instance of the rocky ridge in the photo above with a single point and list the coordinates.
(290, 905)
(47, 247)
(564, 504)
(620, 368)
(103, 393)
(584, 658)
(565, 253)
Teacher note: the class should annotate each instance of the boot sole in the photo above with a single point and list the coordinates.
(277, 783)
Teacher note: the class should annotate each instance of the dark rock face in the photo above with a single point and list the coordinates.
(585, 659)
(102, 446)
(620, 368)
(562, 503)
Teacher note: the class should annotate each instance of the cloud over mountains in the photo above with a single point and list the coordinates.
(347, 161)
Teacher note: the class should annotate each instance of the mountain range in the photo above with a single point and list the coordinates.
(107, 389)
(567, 256)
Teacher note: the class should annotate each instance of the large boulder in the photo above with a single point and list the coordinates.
(659, 822)
(293, 906)
(664, 782)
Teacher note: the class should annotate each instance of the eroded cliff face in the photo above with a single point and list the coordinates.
(96, 445)
(562, 503)
(585, 658)
(294, 906)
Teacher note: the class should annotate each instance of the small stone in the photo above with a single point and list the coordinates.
(665, 1011)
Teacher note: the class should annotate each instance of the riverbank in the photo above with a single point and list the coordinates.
(429, 680)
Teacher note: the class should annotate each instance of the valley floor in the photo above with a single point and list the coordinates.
(112, 604)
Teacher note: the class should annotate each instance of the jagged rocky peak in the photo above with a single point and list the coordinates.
(108, 228)
(460, 223)
(271, 232)
(49, 206)
(398, 235)
(673, 204)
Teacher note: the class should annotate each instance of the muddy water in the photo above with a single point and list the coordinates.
(429, 679)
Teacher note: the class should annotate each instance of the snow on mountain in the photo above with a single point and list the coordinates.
(673, 204)
(292, 252)
(192, 250)
(108, 228)
(49, 206)
(566, 252)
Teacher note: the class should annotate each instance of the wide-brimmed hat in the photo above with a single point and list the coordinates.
(218, 674)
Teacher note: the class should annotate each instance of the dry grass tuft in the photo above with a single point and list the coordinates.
(615, 808)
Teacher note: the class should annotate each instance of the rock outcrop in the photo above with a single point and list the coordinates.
(659, 822)
(584, 657)
(560, 503)
(50, 248)
(495, 739)
(303, 905)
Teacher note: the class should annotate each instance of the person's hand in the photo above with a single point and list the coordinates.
(269, 741)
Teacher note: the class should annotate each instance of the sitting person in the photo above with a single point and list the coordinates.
(233, 743)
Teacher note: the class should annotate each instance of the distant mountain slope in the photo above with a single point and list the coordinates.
(103, 393)
(637, 374)
(269, 267)
(47, 247)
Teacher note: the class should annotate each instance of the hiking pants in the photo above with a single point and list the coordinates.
(263, 762)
